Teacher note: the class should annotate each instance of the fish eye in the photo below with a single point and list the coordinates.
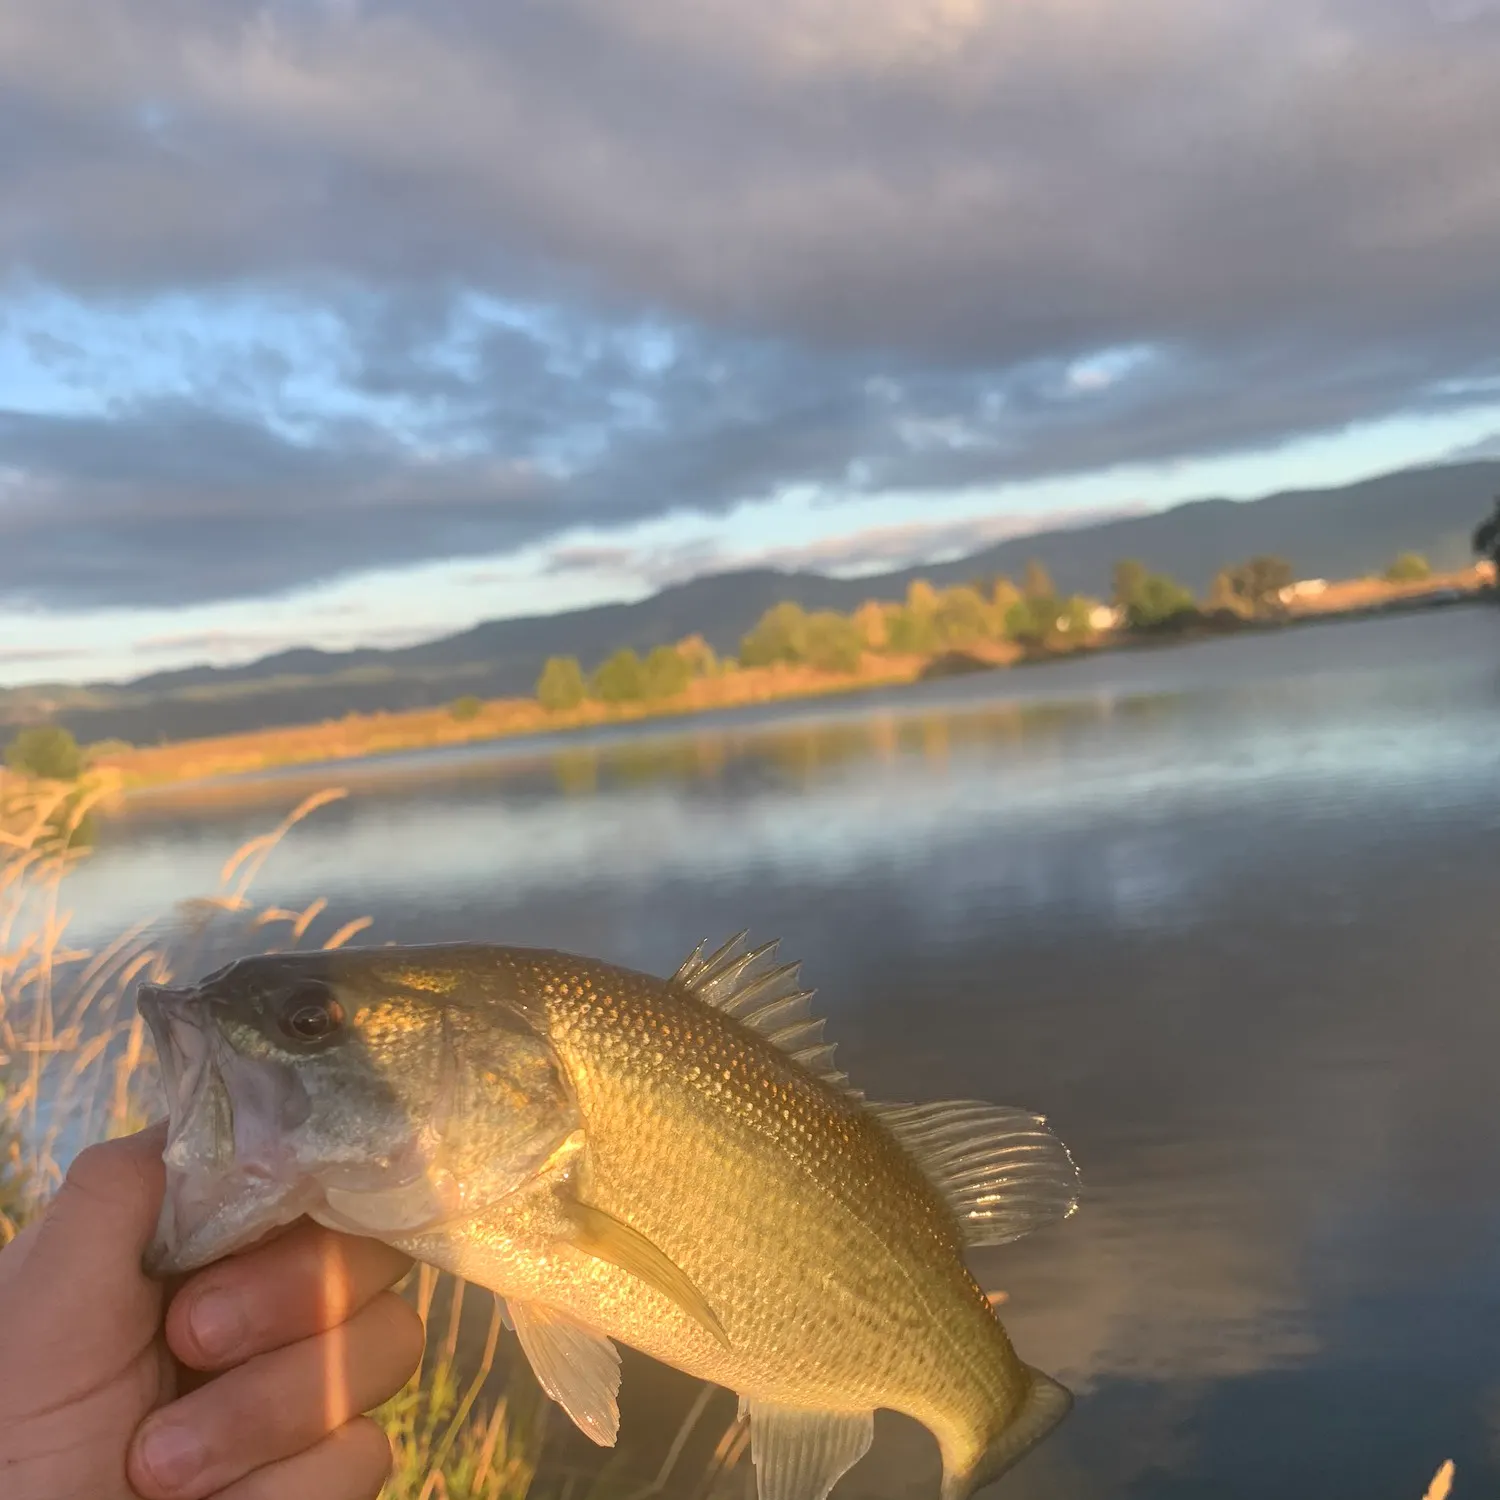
(310, 1014)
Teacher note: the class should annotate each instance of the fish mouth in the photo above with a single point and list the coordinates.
(231, 1175)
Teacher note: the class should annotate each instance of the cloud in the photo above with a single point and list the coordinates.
(864, 550)
(27, 655)
(460, 280)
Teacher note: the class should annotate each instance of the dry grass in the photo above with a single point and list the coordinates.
(360, 735)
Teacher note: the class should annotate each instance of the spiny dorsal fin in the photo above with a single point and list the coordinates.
(746, 983)
(1002, 1172)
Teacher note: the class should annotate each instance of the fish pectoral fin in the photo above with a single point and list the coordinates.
(799, 1452)
(606, 1238)
(578, 1368)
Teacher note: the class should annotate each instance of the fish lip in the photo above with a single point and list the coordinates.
(192, 1059)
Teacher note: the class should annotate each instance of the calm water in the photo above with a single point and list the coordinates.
(1229, 915)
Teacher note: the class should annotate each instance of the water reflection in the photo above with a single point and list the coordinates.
(1230, 922)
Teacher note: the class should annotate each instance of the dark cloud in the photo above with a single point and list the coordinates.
(854, 243)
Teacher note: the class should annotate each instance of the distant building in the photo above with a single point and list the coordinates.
(1486, 571)
(1305, 588)
(1104, 617)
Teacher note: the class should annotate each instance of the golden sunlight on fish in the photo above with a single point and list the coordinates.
(668, 1163)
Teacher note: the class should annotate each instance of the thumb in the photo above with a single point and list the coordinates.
(82, 1276)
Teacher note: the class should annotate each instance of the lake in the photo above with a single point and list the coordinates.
(1228, 914)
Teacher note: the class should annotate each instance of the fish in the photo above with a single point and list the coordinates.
(671, 1164)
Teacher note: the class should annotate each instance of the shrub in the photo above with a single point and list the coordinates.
(779, 635)
(465, 708)
(1158, 600)
(620, 679)
(1410, 567)
(560, 686)
(45, 750)
(666, 673)
(833, 642)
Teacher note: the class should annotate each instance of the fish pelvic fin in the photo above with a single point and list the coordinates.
(800, 1453)
(609, 1239)
(1001, 1171)
(749, 985)
(968, 1466)
(576, 1366)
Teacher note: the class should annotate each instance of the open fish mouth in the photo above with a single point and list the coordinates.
(231, 1175)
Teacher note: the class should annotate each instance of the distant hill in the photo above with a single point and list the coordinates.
(1333, 533)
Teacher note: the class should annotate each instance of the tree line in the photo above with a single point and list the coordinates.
(1032, 615)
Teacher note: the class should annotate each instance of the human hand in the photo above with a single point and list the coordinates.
(249, 1388)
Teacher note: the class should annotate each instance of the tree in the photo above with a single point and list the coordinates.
(1038, 583)
(962, 616)
(620, 679)
(871, 620)
(465, 708)
(921, 597)
(1158, 600)
(911, 631)
(1410, 567)
(1487, 536)
(666, 672)
(1257, 584)
(834, 643)
(779, 635)
(560, 686)
(1130, 575)
(45, 750)
(699, 655)
(1031, 621)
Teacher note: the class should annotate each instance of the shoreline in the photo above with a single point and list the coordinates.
(206, 763)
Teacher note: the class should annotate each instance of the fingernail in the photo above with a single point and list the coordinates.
(172, 1455)
(218, 1322)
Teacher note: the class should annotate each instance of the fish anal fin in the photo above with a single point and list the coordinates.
(800, 1453)
(748, 985)
(578, 1368)
(609, 1239)
(1001, 1171)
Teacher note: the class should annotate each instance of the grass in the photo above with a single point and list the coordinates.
(76, 1065)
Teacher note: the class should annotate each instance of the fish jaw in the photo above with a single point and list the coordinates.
(231, 1177)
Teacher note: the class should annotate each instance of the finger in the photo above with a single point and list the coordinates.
(277, 1405)
(90, 1241)
(299, 1284)
(350, 1464)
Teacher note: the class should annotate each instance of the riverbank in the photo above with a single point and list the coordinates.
(357, 737)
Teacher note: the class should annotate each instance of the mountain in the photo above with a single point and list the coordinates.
(1346, 532)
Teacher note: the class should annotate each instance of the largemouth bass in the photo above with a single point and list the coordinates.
(674, 1164)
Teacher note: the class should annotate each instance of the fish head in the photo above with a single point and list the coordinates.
(375, 1093)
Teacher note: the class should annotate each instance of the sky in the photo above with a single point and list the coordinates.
(354, 322)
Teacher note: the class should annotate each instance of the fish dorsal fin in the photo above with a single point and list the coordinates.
(1002, 1172)
(748, 984)
(800, 1453)
(578, 1368)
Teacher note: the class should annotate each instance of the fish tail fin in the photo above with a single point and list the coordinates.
(968, 1466)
